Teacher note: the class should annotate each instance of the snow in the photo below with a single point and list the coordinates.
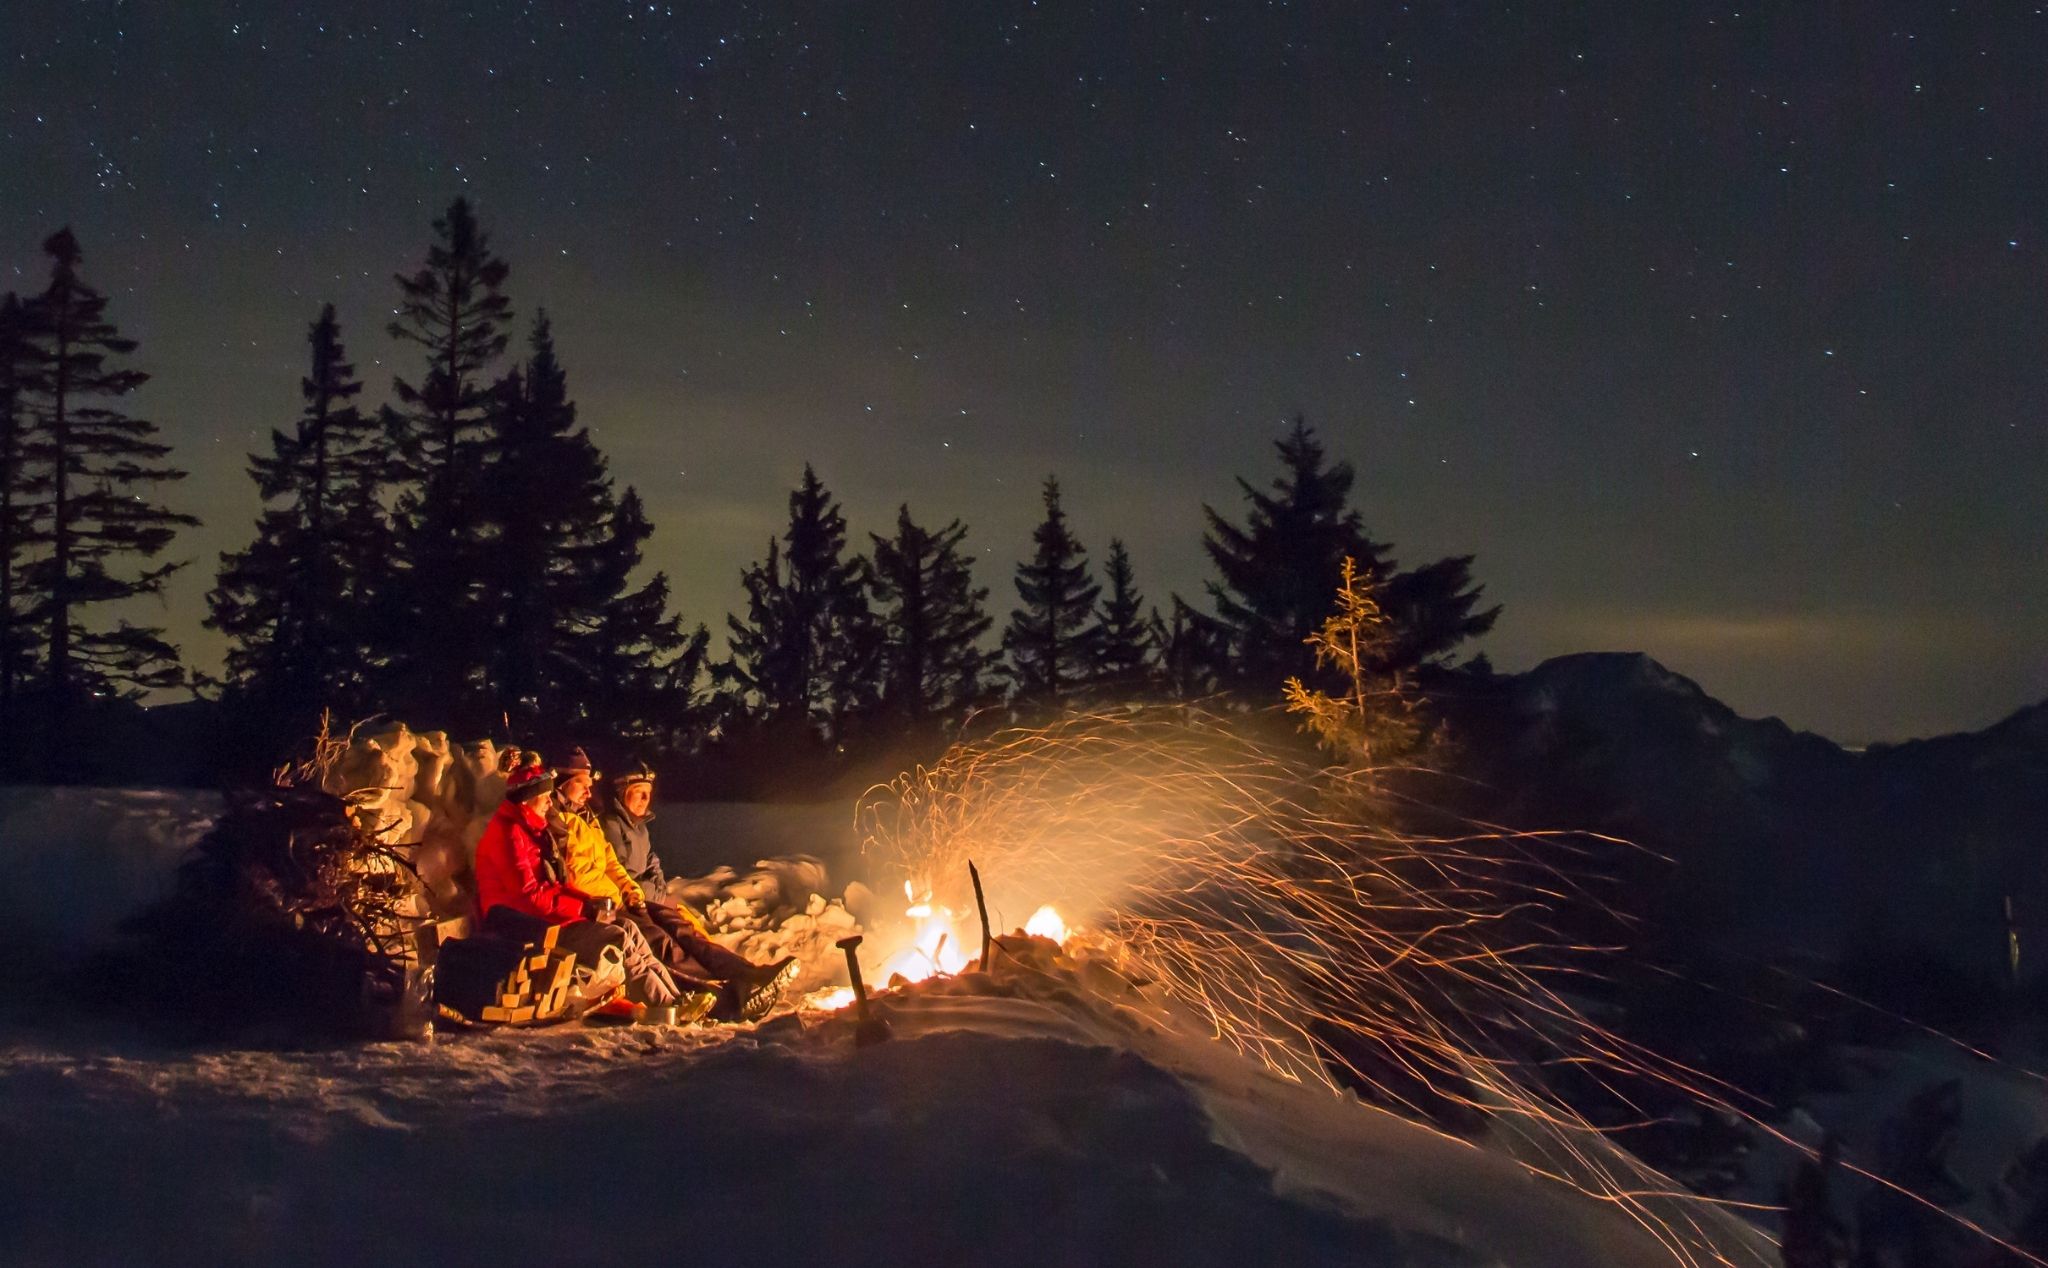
(988, 1130)
(2003, 1115)
(79, 860)
(1000, 1125)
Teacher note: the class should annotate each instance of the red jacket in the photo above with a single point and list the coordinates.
(509, 870)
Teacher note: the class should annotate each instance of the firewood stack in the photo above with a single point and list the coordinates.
(520, 971)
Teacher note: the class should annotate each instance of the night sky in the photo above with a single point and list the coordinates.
(1716, 332)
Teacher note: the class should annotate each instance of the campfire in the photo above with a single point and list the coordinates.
(936, 942)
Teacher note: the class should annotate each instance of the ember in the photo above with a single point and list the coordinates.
(1271, 900)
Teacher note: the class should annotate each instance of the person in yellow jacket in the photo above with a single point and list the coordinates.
(590, 866)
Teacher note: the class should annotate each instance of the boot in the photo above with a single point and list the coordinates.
(749, 996)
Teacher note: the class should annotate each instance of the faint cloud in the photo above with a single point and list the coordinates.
(1773, 635)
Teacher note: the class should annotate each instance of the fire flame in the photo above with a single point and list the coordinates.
(1046, 923)
(942, 943)
(935, 944)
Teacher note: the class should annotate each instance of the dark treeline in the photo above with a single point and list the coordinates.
(461, 556)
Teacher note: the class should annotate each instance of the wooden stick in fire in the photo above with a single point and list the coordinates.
(981, 906)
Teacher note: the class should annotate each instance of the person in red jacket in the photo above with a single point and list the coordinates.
(515, 868)
(512, 866)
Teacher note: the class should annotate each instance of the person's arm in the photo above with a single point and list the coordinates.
(616, 870)
(548, 896)
(649, 877)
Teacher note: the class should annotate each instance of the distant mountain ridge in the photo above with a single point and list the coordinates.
(1777, 835)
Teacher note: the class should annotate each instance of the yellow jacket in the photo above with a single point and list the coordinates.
(588, 864)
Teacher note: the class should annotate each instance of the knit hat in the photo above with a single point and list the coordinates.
(578, 764)
(529, 781)
(637, 773)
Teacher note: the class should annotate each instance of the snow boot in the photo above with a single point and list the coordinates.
(749, 996)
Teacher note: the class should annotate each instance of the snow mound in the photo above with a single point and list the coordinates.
(997, 1126)
(80, 860)
(776, 908)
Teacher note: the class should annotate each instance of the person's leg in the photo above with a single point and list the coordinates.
(665, 948)
(706, 958)
(644, 970)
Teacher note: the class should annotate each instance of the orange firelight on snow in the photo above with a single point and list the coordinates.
(829, 1000)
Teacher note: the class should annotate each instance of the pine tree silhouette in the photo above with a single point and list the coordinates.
(89, 464)
(1127, 641)
(438, 625)
(572, 648)
(808, 651)
(646, 676)
(1051, 638)
(1433, 612)
(295, 602)
(1192, 652)
(1275, 575)
(933, 617)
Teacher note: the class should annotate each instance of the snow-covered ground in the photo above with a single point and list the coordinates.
(2002, 1116)
(1045, 1125)
(989, 1130)
(79, 860)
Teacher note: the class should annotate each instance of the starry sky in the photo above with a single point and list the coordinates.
(1717, 332)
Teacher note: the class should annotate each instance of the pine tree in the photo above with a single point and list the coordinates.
(1191, 652)
(645, 675)
(808, 650)
(1276, 574)
(89, 464)
(574, 646)
(1051, 638)
(455, 311)
(1372, 718)
(294, 602)
(933, 619)
(547, 496)
(1432, 611)
(1277, 571)
(1127, 642)
(16, 528)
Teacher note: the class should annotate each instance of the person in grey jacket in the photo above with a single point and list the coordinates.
(625, 826)
(682, 937)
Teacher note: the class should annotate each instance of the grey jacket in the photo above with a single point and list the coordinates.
(636, 853)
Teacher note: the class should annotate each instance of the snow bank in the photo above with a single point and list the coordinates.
(991, 1130)
(79, 860)
(2003, 1117)
(1057, 1129)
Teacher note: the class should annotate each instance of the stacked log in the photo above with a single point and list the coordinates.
(517, 970)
